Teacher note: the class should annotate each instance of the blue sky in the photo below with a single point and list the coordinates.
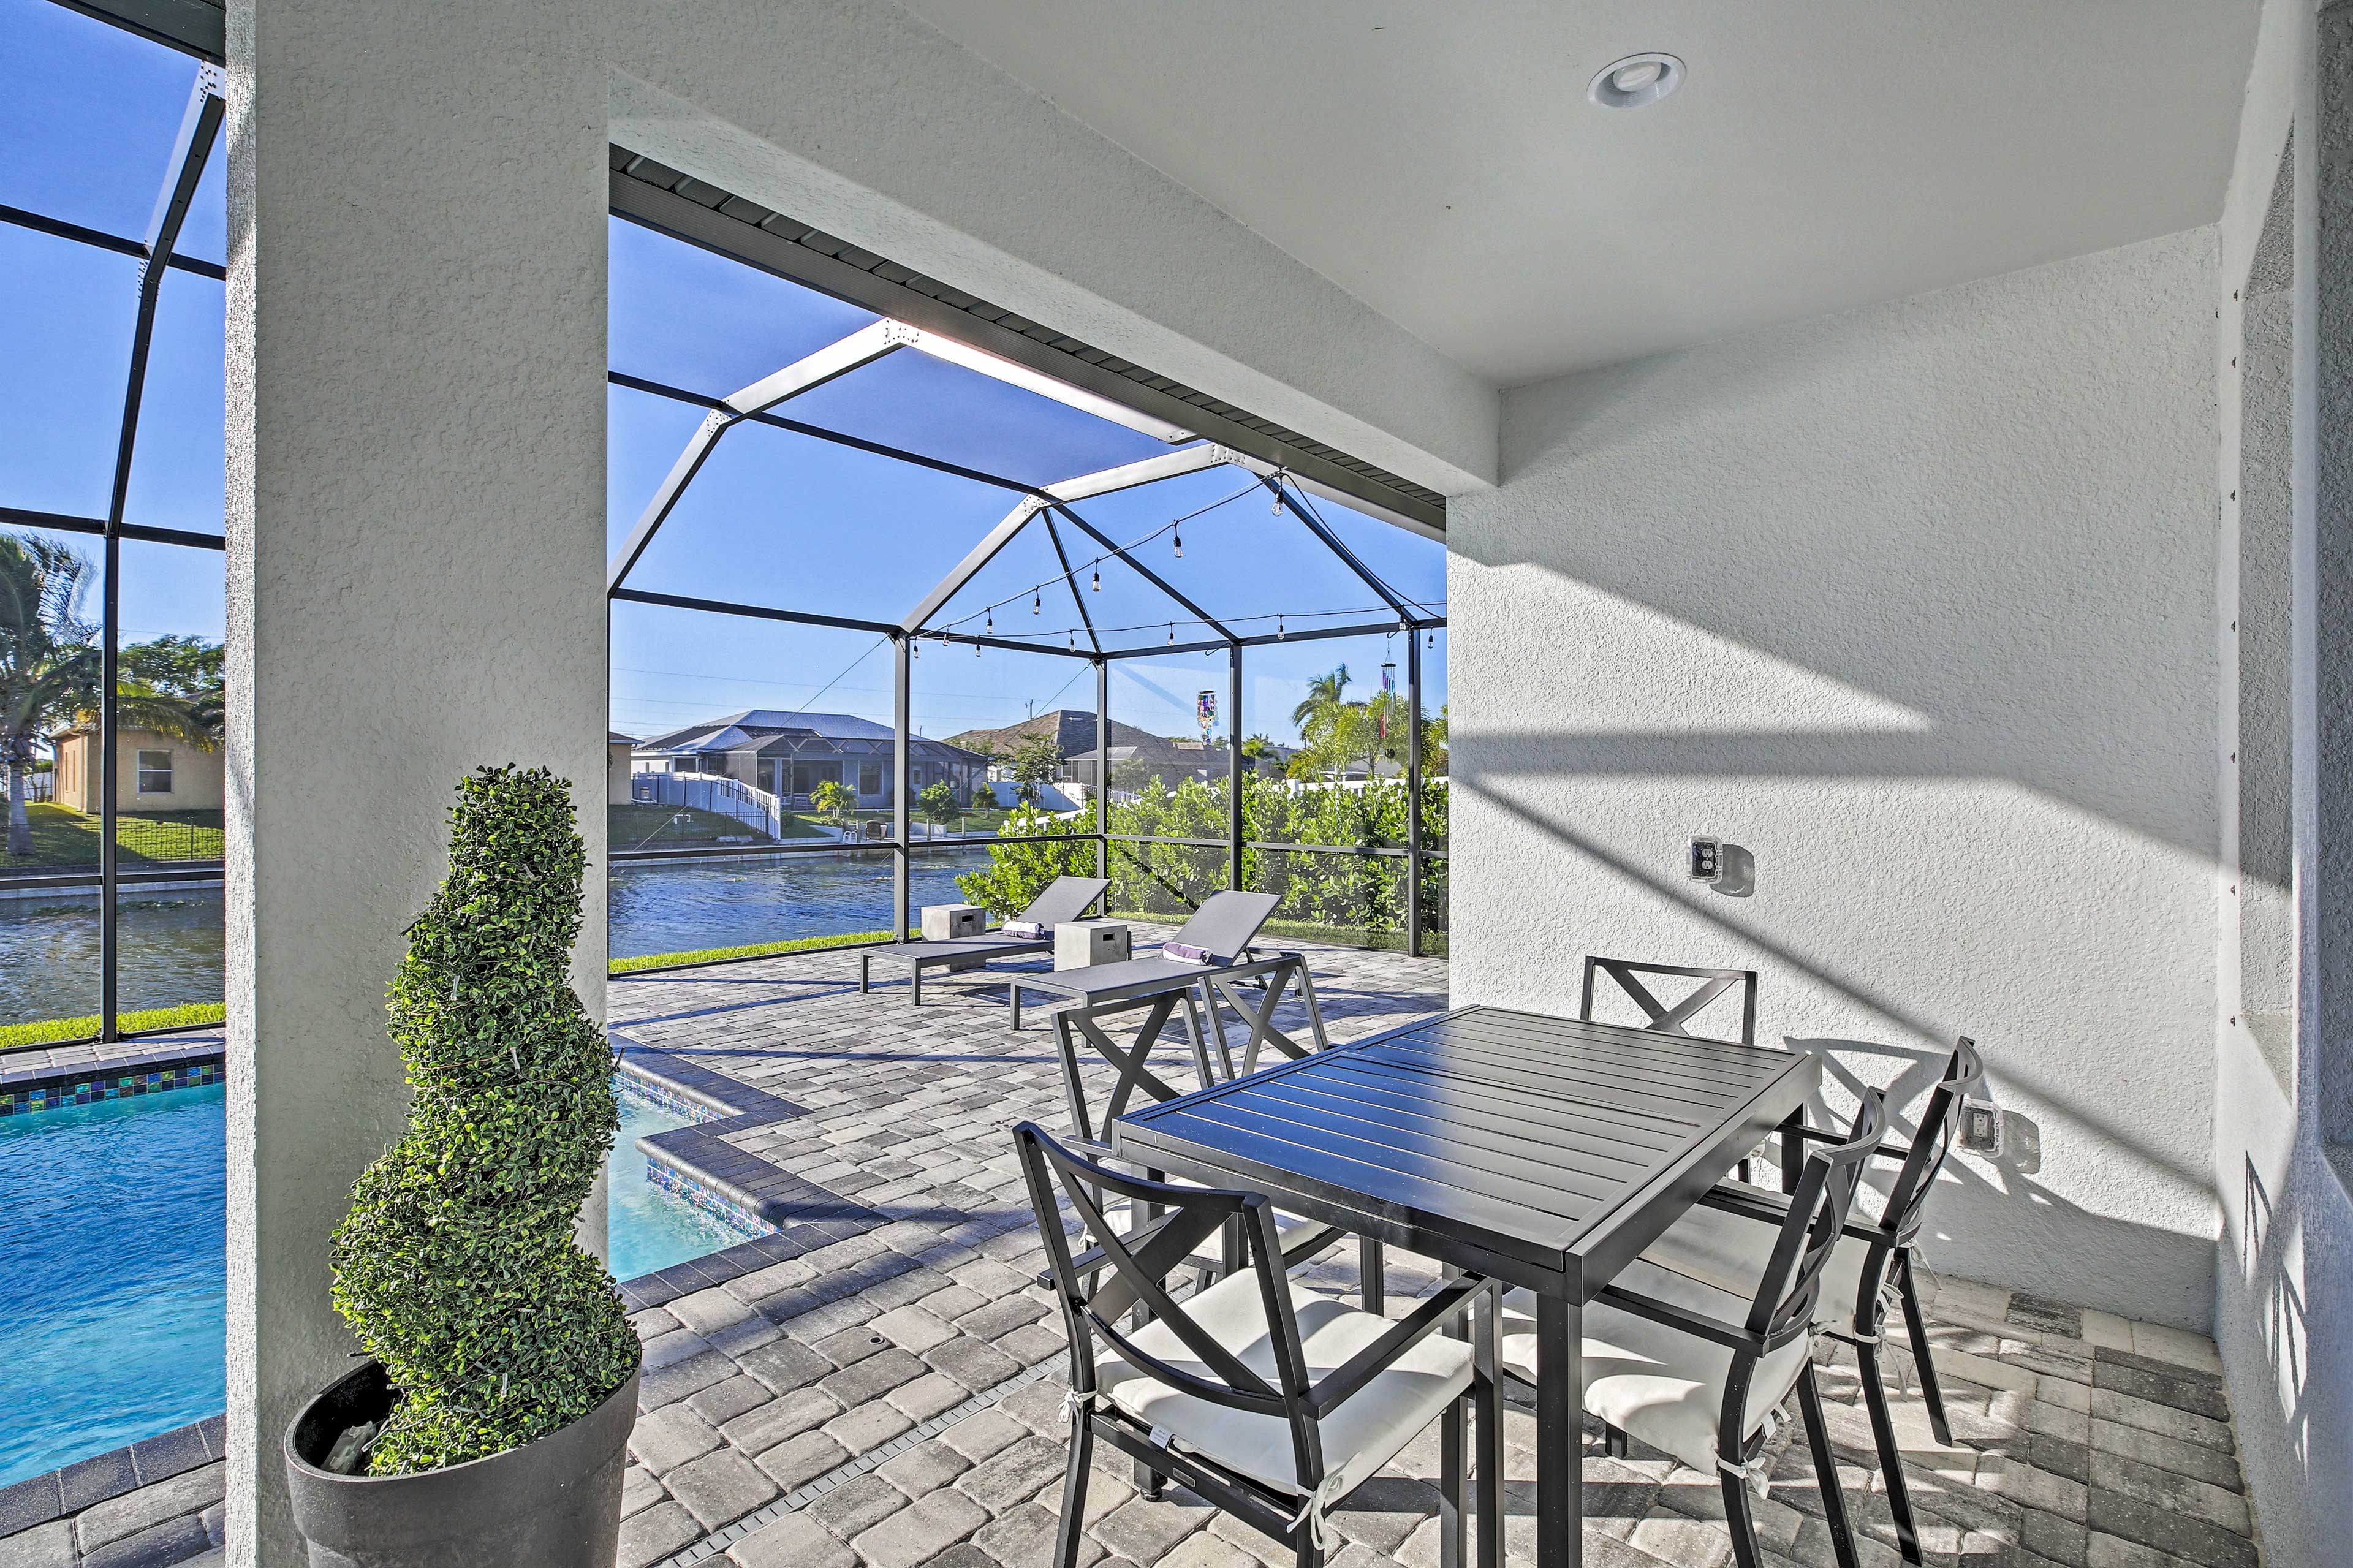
(774, 518)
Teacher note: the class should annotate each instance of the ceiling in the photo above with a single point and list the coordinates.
(1443, 165)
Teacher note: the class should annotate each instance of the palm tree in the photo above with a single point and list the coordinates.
(1323, 695)
(46, 659)
(51, 668)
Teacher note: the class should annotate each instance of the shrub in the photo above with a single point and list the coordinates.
(1341, 892)
(457, 1266)
(1017, 873)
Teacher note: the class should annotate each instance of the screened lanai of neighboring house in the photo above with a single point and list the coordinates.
(832, 512)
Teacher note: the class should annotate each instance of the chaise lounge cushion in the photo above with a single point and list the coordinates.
(1358, 1437)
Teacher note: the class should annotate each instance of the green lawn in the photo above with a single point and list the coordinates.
(57, 1031)
(64, 838)
(755, 950)
(654, 826)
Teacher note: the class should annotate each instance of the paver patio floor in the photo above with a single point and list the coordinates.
(884, 1384)
(895, 1397)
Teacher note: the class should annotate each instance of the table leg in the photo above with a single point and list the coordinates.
(865, 973)
(1560, 1433)
(1489, 1431)
(1017, 1009)
(917, 983)
(1793, 1150)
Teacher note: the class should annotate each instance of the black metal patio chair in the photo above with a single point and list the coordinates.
(1264, 1399)
(1727, 1236)
(1670, 1018)
(1700, 1372)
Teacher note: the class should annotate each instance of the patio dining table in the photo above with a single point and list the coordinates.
(1544, 1152)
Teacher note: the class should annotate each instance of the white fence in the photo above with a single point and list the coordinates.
(714, 793)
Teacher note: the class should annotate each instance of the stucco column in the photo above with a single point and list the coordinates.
(416, 548)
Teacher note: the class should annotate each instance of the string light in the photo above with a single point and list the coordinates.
(992, 623)
(1097, 584)
(975, 648)
(1180, 543)
(1037, 603)
(1172, 634)
(1279, 475)
(1075, 641)
(1278, 628)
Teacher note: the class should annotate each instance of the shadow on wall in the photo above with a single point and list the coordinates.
(2036, 1215)
(2043, 1235)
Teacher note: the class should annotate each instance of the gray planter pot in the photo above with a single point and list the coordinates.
(551, 1503)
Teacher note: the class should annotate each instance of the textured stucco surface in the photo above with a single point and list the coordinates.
(1915, 603)
(2285, 1284)
(416, 561)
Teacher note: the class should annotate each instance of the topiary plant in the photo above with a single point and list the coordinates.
(457, 1266)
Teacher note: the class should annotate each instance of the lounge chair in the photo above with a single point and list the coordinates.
(1065, 899)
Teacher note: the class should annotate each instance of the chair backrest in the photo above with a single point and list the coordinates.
(1819, 1208)
(1670, 1018)
(1939, 1129)
(1227, 922)
(1136, 1267)
(1065, 899)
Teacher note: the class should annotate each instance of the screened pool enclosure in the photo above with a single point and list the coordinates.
(989, 543)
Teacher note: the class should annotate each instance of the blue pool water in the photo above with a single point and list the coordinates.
(646, 1228)
(113, 1268)
(113, 1276)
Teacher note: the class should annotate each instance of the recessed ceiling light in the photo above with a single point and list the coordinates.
(1636, 80)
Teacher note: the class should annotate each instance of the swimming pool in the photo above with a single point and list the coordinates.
(646, 1228)
(113, 1265)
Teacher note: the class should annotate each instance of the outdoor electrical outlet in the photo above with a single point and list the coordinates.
(1981, 1129)
(1707, 860)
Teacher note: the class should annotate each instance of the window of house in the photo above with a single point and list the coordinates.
(869, 778)
(154, 773)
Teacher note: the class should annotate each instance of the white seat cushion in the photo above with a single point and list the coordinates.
(1358, 1437)
(1729, 1251)
(1663, 1385)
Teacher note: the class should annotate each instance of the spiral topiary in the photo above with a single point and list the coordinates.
(457, 1266)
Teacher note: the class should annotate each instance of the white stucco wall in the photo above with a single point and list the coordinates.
(1916, 604)
(416, 581)
(2285, 1274)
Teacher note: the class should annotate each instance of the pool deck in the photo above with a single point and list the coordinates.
(879, 1382)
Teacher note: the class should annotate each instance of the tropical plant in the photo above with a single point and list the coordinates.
(833, 803)
(51, 670)
(457, 1266)
(937, 802)
(47, 658)
(1018, 872)
(1363, 894)
(1324, 693)
(1034, 762)
(984, 799)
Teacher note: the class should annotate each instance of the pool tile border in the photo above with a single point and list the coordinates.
(698, 1163)
(799, 1216)
(31, 1089)
(101, 1478)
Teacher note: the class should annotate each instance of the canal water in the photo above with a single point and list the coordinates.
(170, 938)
